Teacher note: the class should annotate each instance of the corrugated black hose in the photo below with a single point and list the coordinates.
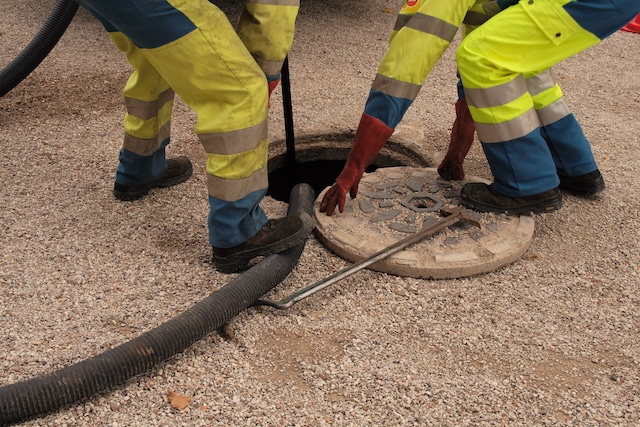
(39, 47)
(44, 394)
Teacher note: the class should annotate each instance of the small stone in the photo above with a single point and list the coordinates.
(386, 185)
(367, 206)
(415, 184)
(378, 194)
(403, 228)
(386, 216)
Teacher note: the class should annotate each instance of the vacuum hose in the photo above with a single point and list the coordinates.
(39, 47)
(44, 394)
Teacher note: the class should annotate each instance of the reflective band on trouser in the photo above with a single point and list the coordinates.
(266, 27)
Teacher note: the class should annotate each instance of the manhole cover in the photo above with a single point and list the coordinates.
(395, 202)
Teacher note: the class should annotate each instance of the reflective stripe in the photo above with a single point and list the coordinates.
(231, 190)
(474, 18)
(491, 8)
(147, 109)
(401, 21)
(432, 25)
(146, 147)
(395, 88)
(148, 129)
(238, 166)
(277, 2)
(234, 142)
(540, 82)
(496, 95)
(554, 112)
(506, 131)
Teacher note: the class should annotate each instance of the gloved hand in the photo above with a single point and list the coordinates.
(461, 140)
(370, 137)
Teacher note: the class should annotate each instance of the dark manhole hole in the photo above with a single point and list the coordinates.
(319, 159)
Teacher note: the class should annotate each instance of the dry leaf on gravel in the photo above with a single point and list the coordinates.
(178, 401)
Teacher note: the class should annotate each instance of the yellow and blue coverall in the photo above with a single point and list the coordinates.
(495, 63)
(189, 47)
(423, 31)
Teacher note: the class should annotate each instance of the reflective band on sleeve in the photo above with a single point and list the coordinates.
(554, 112)
(401, 21)
(147, 109)
(234, 142)
(496, 95)
(395, 88)
(432, 25)
(506, 131)
(231, 190)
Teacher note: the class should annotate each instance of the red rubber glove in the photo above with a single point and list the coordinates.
(370, 137)
(272, 85)
(461, 140)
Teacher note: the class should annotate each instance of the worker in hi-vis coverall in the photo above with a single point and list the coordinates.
(423, 31)
(225, 75)
(494, 63)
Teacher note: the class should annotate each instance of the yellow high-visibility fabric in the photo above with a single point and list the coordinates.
(266, 27)
(415, 49)
(149, 101)
(423, 31)
(503, 44)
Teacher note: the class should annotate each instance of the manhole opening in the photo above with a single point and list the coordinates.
(319, 159)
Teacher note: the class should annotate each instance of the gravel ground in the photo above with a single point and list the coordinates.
(551, 339)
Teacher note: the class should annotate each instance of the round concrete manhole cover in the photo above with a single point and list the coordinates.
(393, 203)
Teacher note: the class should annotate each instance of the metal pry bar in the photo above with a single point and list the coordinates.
(452, 217)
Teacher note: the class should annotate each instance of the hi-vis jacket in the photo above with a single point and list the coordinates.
(189, 47)
(424, 30)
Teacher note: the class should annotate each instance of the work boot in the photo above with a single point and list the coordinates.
(275, 236)
(178, 171)
(483, 198)
(587, 185)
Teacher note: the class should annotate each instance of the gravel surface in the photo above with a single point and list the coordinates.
(551, 339)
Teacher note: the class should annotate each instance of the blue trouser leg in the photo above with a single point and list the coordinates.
(569, 147)
(523, 166)
(135, 170)
(232, 223)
